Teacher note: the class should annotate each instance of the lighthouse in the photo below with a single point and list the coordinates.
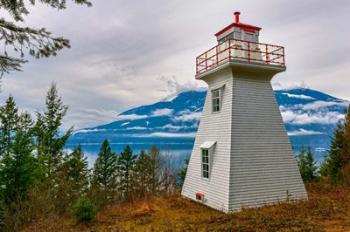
(242, 156)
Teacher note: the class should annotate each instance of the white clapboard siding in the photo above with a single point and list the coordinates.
(252, 163)
(213, 127)
(263, 169)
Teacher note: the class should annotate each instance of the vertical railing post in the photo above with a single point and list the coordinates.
(283, 60)
(229, 50)
(267, 54)
(206, 61)
(248, 52)
(196, 65)
(217, 55)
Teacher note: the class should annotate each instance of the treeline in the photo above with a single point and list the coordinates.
(39, 177)
(335, 168)
(128, 177)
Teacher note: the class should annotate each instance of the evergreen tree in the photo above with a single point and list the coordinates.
(73, 179)
(126, 167)
(17, 38)
(50, 140)
(150, 172)
(345, 151)
(331, 167)
(336, 166)
(2, 215)
(142, 175)
(104, 180)
(8, 120)
(307, 165)
(18, 165)
(19, 168)
(76, 167)
(155, 168)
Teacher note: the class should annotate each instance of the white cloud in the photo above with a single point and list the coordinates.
(136, 128)
(186, 111)
(298, 96)
(320, 104)
(130, 117)
(172, 127)
(125, 123)
(193, 116)
(283, 86)
(178, 127)
(309, 118)
(167, 135)
(174, 87)
(284, 108)
(89, 130)
(162, 112)
(170, 98)
(302, 132)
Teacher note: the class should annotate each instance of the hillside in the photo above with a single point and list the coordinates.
(328, 209)
(309, 115)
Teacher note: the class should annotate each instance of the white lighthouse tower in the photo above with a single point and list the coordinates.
(242, 156)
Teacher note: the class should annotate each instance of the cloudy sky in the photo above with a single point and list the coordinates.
(128, 53)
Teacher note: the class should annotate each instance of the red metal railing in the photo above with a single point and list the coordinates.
(240, 50)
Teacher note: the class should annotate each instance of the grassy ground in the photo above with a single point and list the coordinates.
(328, 209)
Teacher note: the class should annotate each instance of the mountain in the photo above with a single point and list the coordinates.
(310, 117)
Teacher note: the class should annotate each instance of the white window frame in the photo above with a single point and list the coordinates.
(216, 100)
(205, 163)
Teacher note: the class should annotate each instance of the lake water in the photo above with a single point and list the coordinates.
(176, 153)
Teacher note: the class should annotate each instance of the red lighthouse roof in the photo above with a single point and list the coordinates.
(237, 23)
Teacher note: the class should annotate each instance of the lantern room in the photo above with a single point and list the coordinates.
(239, 43)
(239, 31)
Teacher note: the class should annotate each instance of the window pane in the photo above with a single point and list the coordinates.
(206, 174)
(216, 100)
(205, 163)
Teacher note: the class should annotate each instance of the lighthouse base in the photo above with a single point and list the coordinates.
(251, 163)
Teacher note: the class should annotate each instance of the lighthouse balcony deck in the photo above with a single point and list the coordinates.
(241, 51)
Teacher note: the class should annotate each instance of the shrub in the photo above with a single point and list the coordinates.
(84, 211)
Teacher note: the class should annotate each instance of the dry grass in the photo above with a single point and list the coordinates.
(328, 209)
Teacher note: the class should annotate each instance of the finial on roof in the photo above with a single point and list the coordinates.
(237, 13)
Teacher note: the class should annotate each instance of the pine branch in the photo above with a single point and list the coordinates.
(19, 40)
(37, 42)
(8, 64)
(18, 8)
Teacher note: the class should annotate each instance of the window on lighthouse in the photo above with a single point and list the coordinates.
(205, 163)
(216, 98)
